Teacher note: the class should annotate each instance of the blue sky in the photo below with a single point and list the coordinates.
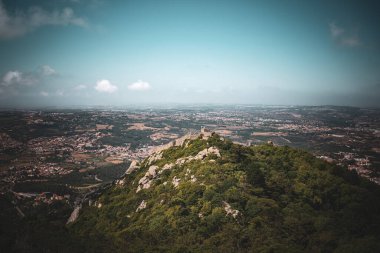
(94, 52)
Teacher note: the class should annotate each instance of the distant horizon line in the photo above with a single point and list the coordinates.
(170, 105)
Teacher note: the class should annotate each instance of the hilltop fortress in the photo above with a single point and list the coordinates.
(205, 133)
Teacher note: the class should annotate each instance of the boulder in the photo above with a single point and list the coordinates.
(175, 181)
(132, 167)
(141, 206)
(229, 211)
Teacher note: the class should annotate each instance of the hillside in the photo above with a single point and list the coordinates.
(210, 195)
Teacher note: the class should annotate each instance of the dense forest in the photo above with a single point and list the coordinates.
(239, 199)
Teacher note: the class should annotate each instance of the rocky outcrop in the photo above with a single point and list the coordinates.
(74, 215)
(132, 167)
(141, 206)
(176, 181)
(98, 204)
(135, 165)
(153, 172)
(158, 151)
(146, 181)
(200, 156)
(229, 211)
(167, 166)
(206, 152)
(120, 181)
(155, 157)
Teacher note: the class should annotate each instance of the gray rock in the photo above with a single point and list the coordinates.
(132, 167)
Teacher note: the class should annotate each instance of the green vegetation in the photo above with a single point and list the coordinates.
(288, 201)
(41, 230)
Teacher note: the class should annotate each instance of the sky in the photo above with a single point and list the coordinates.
(116, 53)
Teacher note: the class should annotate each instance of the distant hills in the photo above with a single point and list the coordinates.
(210, 195)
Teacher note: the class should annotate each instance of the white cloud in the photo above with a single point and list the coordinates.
(105, 86)
(16, 77)
(335, 30)
(46, 70)
(11, 77)
(139, 86)
(342, 37)
(80, 87)
(44, 93)
(20, 22)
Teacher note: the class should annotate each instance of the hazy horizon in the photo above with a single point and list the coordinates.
(169, 106)
(78, 53)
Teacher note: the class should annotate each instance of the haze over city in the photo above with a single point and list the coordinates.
(93, 52)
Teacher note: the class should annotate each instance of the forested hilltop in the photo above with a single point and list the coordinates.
(210, 195)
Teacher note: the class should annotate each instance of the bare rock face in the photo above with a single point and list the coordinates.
(153, 172)
(141, 206)
(176, 181)
(229, 211)
(206, 152)
(155, 157)
(167, 166)
(213, 150)
(181, 161)
(200, 156)
(146, 181)
(74, 215)
(120, 182)
(132, 167)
